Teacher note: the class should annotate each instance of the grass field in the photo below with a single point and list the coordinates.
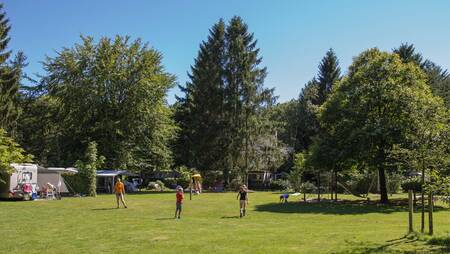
(210, 224)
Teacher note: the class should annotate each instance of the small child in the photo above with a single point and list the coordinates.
(284, 198)
(179, 204)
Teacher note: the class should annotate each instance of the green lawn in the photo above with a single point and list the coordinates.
(210, 224)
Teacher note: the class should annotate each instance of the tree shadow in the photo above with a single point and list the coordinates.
(370, 248)
(104, 209)
(230, 217)
(342, 207)
(166, 218)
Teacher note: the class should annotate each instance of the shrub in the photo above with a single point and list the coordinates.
(308, 187)
(170, 182)
(280, 185)
(412, 183)
(234, 185)
(394, 183)
(157, 186)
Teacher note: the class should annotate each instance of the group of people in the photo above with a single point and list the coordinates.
(119, 190)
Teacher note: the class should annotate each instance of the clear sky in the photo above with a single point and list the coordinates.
(293, 35)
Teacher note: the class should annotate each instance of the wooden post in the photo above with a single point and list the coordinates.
(411, 209)
(430, 213)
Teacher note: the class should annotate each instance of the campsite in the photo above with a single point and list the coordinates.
(238, 126)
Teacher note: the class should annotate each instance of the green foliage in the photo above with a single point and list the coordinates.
(394, 183)
(280, 185)
(221, 112)
(88, 168)
(437, 78)
(184, 176)
(10, 152)
(157, 186)
(299, 168)
(10, 75)
(308, 187)
(111, 92)
(412, 183)
(378, 105)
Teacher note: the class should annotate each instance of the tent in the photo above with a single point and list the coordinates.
(107, 177)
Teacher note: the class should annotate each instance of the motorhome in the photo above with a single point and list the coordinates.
(27, 180)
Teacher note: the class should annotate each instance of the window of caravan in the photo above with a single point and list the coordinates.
(27, 176)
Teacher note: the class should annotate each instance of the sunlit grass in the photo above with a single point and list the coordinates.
(209, 224)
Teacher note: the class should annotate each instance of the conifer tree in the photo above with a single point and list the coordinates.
(9, 85)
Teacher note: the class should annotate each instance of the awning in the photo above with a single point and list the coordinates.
(107, 172)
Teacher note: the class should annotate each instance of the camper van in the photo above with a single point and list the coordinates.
(21, 184)
(27, 180)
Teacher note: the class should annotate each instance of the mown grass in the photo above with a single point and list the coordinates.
(210, 224)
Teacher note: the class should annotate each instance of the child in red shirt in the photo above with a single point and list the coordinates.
(179, 204)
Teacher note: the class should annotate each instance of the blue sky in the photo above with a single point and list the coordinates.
(293, 34)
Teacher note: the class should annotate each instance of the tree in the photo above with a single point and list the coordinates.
(438, 78)
(112, 92)
(88, 168)
(9, 79)
(200, 112)
(245, 95)
(10, 152)
(221, 112)
(329, 74)
(308, 125)
(374, 108)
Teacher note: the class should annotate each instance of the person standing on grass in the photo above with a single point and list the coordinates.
(119, 189)
(179, 203)
(243, 199)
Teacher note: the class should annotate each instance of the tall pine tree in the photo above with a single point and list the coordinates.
(223, 102)
(9, 85)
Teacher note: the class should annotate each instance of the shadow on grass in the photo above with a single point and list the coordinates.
(401, 245)
(341, 207)
(104, 209)
(230, 217)
(371, 248)
(442, 241)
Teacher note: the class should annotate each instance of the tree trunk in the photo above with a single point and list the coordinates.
(430, 213)
(422, 221)
(335, 185)
(383, 190)
(318, 186)
(411, 208)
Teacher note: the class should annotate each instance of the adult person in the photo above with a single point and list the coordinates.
(243, 199)
(119, 189)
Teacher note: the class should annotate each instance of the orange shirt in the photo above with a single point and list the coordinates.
(118, 188)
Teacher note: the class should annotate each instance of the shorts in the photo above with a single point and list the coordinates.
(179, 206)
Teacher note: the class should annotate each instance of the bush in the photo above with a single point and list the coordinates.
(412, 183)
(308, 187)
(279, 185)
(234, 185)
(170, 182)
(76, 183)
(394, 183)
(157, 186)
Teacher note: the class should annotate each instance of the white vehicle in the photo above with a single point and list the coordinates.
(21, 184)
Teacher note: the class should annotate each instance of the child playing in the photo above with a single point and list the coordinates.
(284, 198)
(243, 199)
(180, 197)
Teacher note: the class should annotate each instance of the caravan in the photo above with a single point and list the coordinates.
(27, 180)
